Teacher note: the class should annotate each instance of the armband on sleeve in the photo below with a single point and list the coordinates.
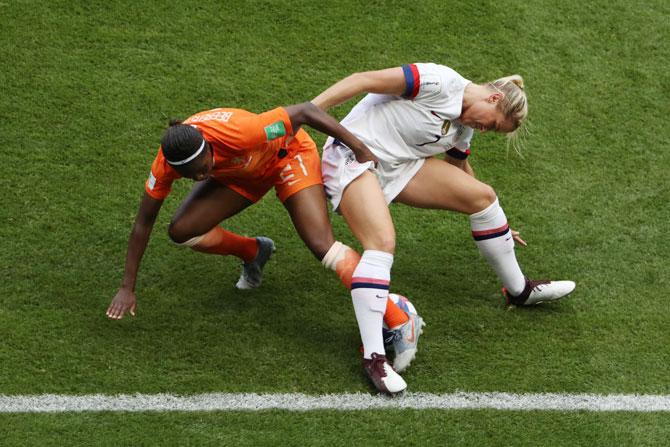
(412, 81)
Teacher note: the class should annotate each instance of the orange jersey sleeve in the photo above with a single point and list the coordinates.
(159, 183)
(239, 129)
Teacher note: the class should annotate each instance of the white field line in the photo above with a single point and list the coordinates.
(53, 403)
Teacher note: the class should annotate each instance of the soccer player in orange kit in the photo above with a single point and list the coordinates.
(236, 156)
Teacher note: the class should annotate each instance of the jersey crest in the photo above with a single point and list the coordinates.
(445, 127)
(275, 130)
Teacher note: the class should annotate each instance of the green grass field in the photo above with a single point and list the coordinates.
(87, 88)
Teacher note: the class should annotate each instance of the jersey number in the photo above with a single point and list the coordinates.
(287, 173)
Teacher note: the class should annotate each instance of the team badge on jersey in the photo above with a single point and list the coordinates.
(445, 127)
(152, 181)
(275, 130)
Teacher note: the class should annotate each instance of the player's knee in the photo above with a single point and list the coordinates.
(388, 245)
(383, 242)
(486, 195)
(178, 233)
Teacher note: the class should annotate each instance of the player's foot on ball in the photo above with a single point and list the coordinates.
(406, 340)
(252, 272)
(385, 379)
(539, 291)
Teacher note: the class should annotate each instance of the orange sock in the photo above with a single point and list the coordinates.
(221, 242)
(394, 315)
(344, 267)
(344, 261)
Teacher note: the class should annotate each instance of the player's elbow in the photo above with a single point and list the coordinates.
(303, 113)
(309, 111)
(360, 77)
(364, 81)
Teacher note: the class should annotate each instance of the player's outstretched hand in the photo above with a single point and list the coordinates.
(123, 302)
(517, 238)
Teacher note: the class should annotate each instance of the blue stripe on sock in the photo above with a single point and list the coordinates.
(491, 236)
(368, 285)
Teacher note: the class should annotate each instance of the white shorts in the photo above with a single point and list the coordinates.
(340, 168)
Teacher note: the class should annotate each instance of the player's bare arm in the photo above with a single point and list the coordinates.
(390, 81)
(307, 113)
(125, 301)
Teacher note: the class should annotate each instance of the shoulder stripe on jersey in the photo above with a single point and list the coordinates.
(412, 81)
(458, 154)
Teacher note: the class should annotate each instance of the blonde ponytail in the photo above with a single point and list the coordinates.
(514, 106)
(515, 79)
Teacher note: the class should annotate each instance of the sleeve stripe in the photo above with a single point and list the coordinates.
(412, 81)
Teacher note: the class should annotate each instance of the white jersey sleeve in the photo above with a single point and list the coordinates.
(436, 86)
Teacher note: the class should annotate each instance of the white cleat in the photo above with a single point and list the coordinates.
(385, 379)
(540, 291)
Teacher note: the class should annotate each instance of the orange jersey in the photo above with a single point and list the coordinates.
(252, 153)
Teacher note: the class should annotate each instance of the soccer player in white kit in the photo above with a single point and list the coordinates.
(411, 114)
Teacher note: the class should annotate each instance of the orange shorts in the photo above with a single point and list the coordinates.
(299, 169)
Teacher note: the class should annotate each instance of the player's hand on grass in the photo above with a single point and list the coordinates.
(124, 302)
(517, 238)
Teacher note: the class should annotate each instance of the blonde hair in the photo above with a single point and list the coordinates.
(514, 106)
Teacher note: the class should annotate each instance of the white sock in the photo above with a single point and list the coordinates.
(494, 240)
(369, 292)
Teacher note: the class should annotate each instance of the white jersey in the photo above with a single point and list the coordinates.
(421, 123)
(401, 131)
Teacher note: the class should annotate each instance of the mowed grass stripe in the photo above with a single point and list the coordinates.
(54, 403)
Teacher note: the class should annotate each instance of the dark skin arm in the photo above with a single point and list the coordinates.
(309, 114)
(125, 300)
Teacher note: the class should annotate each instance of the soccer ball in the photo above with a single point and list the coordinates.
(403, 303)
(407, 306)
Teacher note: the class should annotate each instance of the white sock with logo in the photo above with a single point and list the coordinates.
(369, 292)
(494, 240)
